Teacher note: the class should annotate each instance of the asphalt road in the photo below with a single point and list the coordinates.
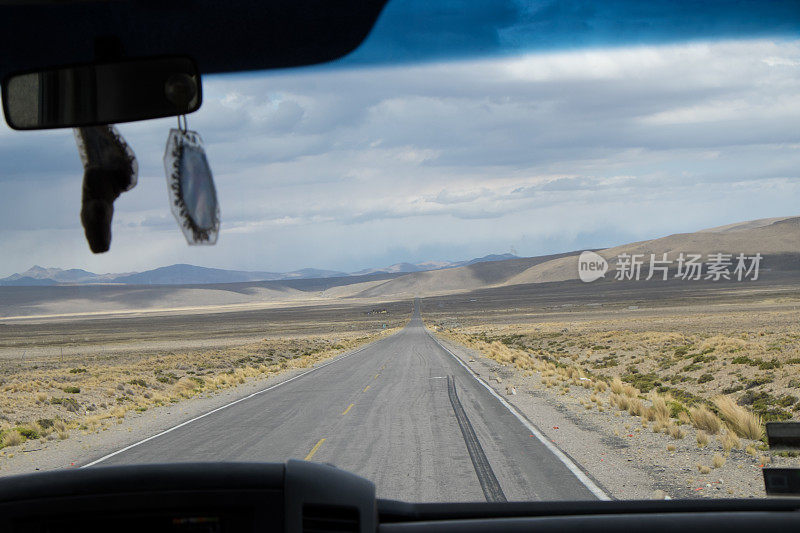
(401, 412)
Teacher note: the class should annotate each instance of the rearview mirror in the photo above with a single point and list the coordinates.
(108, 93)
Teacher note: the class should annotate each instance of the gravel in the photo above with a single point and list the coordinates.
(628, 460)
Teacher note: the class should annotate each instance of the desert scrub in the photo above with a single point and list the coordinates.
(703, 469)
(729, 440)
(717, 461)
(741, 421)
(767, 406)
(675, 432)
(70, 404)
(11, 437)
(65, 396)
(618, 387)
(702, 418)
(682, 349)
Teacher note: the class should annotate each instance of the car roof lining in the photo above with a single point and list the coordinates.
(221, 36)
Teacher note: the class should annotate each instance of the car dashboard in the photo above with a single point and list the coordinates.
(303, 496)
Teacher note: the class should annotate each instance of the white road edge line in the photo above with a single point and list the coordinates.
(577, 472)
(195, 419)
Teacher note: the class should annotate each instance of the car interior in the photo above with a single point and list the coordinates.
(90, 64)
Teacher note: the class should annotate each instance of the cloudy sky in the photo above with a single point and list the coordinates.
(363, 166)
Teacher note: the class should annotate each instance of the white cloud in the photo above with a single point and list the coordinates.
(351, 168)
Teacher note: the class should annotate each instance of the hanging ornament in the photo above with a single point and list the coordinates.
(190, 184)
(109, 169)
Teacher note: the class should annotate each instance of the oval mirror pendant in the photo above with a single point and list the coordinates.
(192, 196)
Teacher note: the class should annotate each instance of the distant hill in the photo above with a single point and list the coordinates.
(433, 265)
(56, 275)
(183, 274)
(189, 274)
(476, 274)
(189, 287)
(490, 258)
(778, 239)
(26, 281)
(312, 273)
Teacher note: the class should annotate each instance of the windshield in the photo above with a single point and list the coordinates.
(555, 274)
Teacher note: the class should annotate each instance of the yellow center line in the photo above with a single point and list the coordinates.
(348, 408)
(376, 376)
(314, 449)
(366, 388)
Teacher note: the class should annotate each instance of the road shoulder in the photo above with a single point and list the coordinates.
(610, 460)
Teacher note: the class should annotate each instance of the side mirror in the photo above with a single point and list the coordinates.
(106, 93)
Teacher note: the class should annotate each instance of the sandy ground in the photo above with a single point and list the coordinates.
(25, 341)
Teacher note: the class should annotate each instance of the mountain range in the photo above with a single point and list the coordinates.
(183, 274)
(187, 287)
(776, 239)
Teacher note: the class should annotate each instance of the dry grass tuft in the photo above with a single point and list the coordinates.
(702, 439)
(185, 387)
(729, 441)
(619, 387)
(12, 438)
(740, 420)
(659, 407)
(635, 406)
(703, 469)
(671, 447)
(704, 419)
(675, 432)
(43, 428)
(717, 461)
